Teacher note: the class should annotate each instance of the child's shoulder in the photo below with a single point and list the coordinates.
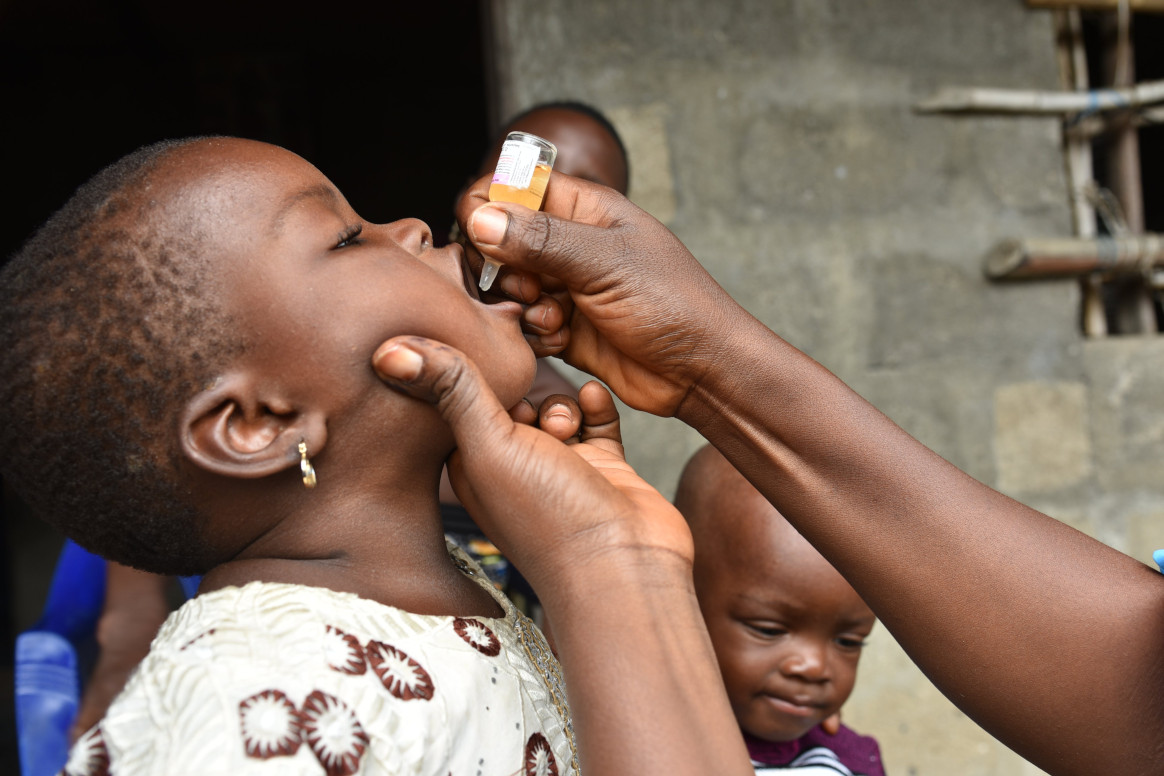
(861, 753)
(266, 664)
(281, 610)
(278, 612)
(847, 752)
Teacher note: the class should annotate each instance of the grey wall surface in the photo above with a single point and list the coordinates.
(777, 139)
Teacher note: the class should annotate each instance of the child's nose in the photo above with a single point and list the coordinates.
(807, 661)
(412, 234)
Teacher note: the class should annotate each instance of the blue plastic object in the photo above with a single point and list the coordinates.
(49, 657)
(46, 673)
(47, 697)
(1158, 556)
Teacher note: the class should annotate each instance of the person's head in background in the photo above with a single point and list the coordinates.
(588, 144)
(786, 627)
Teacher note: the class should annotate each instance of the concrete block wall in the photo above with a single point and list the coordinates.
(777, 139)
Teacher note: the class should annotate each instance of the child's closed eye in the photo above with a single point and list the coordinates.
(768, 630)
(851, 642)
(350, 236)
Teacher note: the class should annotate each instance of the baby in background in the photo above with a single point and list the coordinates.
(787, 628)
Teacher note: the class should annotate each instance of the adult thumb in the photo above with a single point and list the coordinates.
(442, 376)
(580, 236)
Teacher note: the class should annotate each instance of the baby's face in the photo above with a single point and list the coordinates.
(788, 633)
(317, 288)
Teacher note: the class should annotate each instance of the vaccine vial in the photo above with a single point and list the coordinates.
(523, 170)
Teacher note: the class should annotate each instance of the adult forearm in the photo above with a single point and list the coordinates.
(1050, 640)
(651, 699)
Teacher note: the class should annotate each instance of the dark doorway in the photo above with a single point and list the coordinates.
(388, 99)
(1149, 42)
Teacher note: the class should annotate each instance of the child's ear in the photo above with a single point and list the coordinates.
(236, 429)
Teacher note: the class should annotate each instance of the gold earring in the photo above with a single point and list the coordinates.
(305, 467)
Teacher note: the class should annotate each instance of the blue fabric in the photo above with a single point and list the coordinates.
(1158, 556)
(76, 595)
(190, 586)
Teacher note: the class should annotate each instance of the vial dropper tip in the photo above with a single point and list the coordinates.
(488, 274)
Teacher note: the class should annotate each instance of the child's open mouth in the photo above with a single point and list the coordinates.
(467, 278)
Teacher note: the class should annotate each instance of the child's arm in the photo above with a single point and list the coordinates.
(1050, 640)
(610, 559)
(135, 607)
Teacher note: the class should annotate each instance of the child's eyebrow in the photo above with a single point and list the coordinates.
(766, 600)
(859, 622)
(320, 191)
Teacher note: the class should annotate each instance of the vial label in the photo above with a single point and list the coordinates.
(516, 165)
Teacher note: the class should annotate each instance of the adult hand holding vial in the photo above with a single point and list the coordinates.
(523, 170)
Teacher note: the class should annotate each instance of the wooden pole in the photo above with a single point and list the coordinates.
(973, 99)
(1078, 160)
(1050, 257)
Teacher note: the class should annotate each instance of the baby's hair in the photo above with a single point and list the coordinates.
(107, 331)
(585, 109)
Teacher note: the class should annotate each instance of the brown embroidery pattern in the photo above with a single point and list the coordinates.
(343, 651)
(333, 732)
(194, 640)
(89, 757)
(401, 675)
(270, 725)
(539, 759)
(477, 636)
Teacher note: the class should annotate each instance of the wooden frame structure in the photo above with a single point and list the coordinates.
(1128, 261)
(1137, 6)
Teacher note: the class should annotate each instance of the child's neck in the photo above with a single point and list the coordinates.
(385, 544)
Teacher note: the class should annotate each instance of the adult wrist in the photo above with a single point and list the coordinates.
(628, 568)
(742, 353)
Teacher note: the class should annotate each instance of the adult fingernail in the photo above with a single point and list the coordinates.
(535, 317)
(559, 411)
(487, 225)
(399, 362)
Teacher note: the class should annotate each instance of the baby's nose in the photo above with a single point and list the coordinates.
(807, 661)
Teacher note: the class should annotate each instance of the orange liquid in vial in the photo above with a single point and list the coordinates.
(531, 197)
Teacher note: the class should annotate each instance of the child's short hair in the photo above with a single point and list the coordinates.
(107, 331)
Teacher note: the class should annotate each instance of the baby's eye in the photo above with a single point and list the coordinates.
(350, 236)
(766, 629)
(853, 643)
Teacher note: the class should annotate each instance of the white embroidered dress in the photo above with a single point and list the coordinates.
(287, 679)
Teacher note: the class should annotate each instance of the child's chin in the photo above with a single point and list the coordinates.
(781, 735)
(516, 385)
